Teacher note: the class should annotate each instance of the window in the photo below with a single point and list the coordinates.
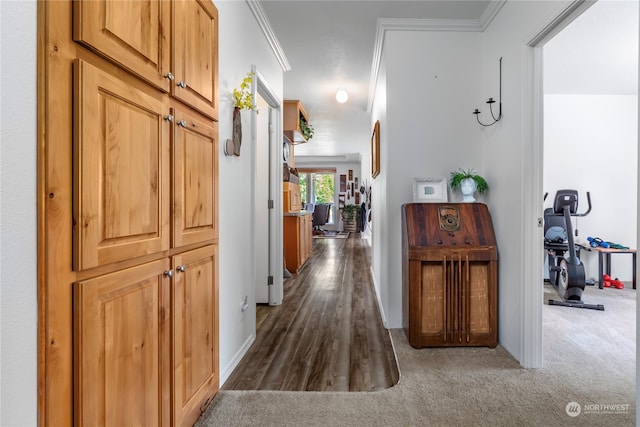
(317, 187)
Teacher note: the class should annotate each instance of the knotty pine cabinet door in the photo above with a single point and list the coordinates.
(195, 176)
(121, 169)
(195, 333)
(195, 55)
(122, 347)
(134, 34)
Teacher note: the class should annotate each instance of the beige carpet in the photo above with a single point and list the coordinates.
(589, 359)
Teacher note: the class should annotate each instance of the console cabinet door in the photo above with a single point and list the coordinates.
(195, 329)
(121, 170)
(195, 55)
(195, 175)
(122, 347)
(134, 34)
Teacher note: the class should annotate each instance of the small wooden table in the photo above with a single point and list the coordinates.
(606, 252)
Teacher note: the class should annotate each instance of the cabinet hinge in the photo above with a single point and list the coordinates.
(270, 280)
(270, 204)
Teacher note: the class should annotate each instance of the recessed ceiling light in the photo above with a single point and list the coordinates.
(342, 96)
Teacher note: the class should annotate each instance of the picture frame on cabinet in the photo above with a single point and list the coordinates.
(430, 190)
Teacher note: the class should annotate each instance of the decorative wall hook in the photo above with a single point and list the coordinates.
(491, 101)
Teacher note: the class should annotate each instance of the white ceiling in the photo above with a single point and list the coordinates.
(330, 45)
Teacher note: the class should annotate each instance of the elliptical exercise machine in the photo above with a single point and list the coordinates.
(565, 274)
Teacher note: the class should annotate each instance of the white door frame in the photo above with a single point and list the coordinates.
(532, 275)
(260, 86)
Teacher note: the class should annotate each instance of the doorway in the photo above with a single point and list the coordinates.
(532, 339)
(267, 191)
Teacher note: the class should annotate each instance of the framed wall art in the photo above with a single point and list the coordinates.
(375, 150)
(430, 190)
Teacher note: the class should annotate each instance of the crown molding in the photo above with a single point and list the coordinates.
(490, 12)
(383, 25)
(258, 12)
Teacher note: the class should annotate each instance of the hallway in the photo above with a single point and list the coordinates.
(327, 335)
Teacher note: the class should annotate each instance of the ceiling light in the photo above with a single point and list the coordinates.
(342, 96)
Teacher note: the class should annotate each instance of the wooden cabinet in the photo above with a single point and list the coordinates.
(293, 113)
(291, 198)
(129, 184)
(136, 35)
(297, 232)
(132, 34)
(195, 187)
(122, 338)
(121, 151)
(195, 54)
(449, 275)
(195, 333)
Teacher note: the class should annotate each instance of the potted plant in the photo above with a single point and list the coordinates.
(306, 129)
(350, 215)
(468, 181)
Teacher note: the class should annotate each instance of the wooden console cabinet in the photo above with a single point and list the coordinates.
(449, 275)
(297, 239)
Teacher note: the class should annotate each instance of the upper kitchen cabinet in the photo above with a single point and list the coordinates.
(295, 118)
(135, 35)
(195, 65)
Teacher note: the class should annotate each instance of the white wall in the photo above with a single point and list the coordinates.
(431, 84)
(591, 144)
(507, 152)
(379, 234)
(241, 45)
(18, 281)
(427, 130)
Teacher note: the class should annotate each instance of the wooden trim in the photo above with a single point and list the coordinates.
(55, 351)
(317, 170)
(41, 173)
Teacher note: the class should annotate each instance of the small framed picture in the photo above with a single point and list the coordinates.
(430, 190)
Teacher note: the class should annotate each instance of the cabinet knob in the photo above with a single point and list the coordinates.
(182, 84)
(182, 123)
(169, 76)
(169, 118)
(181, 268)
(168, 273)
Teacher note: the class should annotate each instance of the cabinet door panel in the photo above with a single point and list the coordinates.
(132, 33)
(121, 174)
(195, 187)
(121, 324)
(195, 55)
(195, 326)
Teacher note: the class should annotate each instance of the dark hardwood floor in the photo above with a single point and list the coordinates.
(327, 335)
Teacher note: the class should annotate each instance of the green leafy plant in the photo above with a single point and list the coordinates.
(306, 129)
(243, 98)
(460, 175)
(350, 211)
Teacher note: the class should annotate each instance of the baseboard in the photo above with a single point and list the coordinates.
(235, 361)
(380, 306)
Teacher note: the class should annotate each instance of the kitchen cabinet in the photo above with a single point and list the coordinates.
(297, 233)
(293, 113)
